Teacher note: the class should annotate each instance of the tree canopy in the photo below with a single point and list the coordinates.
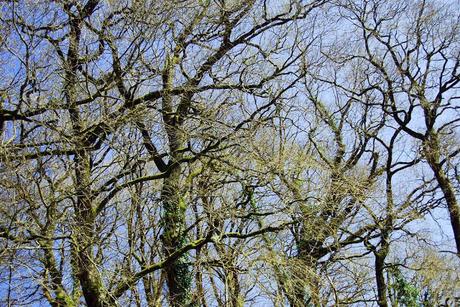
(229, 153)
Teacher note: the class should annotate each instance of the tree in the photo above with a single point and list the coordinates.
(225, 152)
(94, 76)
(415, 71)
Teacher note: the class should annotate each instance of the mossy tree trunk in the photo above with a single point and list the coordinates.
(83, 238)
(178, 276)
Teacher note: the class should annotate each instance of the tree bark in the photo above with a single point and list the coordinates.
(83, 237)
(380, 277)
(178, 277)
(432, 154)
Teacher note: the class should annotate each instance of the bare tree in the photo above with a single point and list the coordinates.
(415, 71)
(110, 97)
(223, 152)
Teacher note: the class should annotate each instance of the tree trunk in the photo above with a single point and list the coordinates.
(432, 154)
(308, 257)
(178, 276)
(83, 238)
(380, 277)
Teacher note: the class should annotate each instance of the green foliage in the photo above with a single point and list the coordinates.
(406, 293)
